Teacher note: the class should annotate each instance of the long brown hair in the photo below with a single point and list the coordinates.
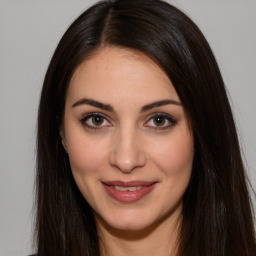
(217, 213)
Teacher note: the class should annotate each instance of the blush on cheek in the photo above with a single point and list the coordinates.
(176, 153)
(81, 152)
(82, 163)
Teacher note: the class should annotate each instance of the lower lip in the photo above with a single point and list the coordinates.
(128, 196)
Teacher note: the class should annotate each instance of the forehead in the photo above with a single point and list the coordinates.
(112, 72)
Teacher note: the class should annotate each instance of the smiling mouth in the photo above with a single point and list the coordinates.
(128, 192)
(127, 188)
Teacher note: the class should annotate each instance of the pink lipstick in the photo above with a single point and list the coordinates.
(128, 192)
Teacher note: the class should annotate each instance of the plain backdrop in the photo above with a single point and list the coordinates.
(29, 32)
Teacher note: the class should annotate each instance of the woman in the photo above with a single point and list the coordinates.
(137, 147)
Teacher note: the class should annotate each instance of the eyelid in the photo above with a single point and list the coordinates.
(168, 117)
(93, 114)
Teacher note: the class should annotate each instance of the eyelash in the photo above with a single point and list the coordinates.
(87, 117)
(167, 118)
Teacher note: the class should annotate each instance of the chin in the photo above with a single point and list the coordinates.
(129, 225)
(132, 221)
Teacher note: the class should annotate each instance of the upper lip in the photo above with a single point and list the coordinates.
(134, 183)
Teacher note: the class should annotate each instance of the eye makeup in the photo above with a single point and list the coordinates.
(95, 121)
(157, 121)
(160, 121)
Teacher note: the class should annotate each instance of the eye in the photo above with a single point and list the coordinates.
(160, 121)
(95, 121)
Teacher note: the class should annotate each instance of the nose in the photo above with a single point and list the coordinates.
(127, 152)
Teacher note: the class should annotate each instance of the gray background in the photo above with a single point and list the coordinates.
(29, 32)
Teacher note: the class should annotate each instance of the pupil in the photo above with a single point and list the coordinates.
(159, 120)
(97, 120)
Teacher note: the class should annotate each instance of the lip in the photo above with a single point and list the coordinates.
(128, 196)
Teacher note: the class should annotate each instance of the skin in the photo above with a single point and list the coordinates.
(128, 144)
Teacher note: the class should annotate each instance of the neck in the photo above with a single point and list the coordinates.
(160, 239)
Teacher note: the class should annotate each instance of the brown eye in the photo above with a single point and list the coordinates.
(159, 120)
(97, 120)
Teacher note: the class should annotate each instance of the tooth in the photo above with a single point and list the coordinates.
(121, 188)
(132, 188)
(128, 188)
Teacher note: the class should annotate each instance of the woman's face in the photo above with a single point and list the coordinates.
(128, 140)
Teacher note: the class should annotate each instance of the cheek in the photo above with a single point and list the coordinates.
(86, 159)
(85, 155)
(175, 156)
(175, 161)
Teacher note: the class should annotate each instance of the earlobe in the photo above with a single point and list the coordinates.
(65, 147)
(63, 140)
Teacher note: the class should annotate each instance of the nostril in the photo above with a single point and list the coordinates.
(126, 152)
(127, 162)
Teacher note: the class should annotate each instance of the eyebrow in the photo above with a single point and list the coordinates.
(107, 107)
(159, 104)
(93, 103)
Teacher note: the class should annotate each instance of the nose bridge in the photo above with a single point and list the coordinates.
(127, 153)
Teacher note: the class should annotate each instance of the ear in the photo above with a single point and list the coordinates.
(63, 139)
